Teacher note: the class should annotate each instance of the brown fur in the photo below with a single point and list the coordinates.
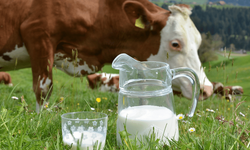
(5, 78)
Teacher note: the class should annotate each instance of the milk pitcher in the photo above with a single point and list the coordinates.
(146, 102)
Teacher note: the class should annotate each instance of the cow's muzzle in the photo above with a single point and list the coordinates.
(205, 92)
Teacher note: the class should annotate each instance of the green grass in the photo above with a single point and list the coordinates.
(22, 128)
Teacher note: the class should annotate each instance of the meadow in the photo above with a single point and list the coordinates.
(218, 123)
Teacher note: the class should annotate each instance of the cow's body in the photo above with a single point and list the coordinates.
(80, 36)
(5, 78)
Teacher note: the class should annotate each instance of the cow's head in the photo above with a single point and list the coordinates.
(179, 43)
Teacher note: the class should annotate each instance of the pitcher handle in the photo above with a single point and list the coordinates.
(193, 78)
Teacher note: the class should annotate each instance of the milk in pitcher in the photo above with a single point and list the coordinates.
(140, 121)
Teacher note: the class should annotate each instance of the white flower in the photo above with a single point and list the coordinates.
(180, 117)
(92, 108)
(80, 129)
(191, 130)
(101, 122)
(94, 123)
(242, 114)
(86, 121)
(73, 128)
(69, 122)
(77, 121)
(185, 121)
(91, 129)
(198, 115)
(99, 128)
(210, 110)
(14, 97)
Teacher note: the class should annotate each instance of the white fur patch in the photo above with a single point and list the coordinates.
(176, 9)
(38, 107)
(72, 67)
(104, 87)
(19, 58)
(45, 87)
(236, 88)
(10, 84)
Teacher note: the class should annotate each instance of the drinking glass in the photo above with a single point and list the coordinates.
(84, 130)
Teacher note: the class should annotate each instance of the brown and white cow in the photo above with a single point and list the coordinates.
(5, 78)
(105, 82)
(227, 91)
(80, 36)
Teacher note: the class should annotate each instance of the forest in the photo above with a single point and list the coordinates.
(230, 24)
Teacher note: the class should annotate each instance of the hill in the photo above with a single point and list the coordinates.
(235, 2)
(233, 71)
(201, 2)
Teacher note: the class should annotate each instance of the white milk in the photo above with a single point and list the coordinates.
(140, 121)
(89, 138)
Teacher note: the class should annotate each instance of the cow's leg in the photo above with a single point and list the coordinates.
(40, 48)
(42, 79)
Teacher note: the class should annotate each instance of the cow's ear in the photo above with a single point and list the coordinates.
(137, 14)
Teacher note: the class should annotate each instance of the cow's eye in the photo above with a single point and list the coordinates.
(175, 45)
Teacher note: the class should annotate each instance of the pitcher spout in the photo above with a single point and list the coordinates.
(124, 62)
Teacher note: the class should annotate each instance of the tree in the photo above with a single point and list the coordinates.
(232, 47)
(205, 52)
(164, 6)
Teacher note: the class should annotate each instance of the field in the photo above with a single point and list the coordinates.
(218, 123)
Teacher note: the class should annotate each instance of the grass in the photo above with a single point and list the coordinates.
(223, 128)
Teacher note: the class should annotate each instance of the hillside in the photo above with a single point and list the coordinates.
(235, 2)
(229, 2)
(233, 71)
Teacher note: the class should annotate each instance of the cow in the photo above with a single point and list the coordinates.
(5, 78)
(80, 36)
(105, 82)
(227, 91)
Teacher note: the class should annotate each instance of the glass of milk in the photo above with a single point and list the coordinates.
(146, 102)
(84, 130)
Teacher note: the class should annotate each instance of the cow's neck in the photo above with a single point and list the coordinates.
(120, 36)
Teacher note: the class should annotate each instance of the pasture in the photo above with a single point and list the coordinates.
(218, 123)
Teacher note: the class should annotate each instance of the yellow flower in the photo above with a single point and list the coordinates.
(78, 104)
(98, 100)
(61, 99)
(227, 100)
(228, 108)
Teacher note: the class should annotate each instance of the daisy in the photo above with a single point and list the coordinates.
(191, 130)
(180, 117)
(242, 114)
(14, 97)
(211, 110)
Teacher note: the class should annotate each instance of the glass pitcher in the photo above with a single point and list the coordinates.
(146, 102)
